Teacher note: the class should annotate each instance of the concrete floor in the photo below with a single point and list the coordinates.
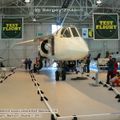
(70, 97)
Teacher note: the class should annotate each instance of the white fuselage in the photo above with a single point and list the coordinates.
(69, 48)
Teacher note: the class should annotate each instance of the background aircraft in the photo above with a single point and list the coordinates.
(65, 44)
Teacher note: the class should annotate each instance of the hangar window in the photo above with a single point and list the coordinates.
(74, 32)
(55, 28)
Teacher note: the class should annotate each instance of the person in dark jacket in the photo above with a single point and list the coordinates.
(110, 68)
(26, 64)
(29, 63)
(98, 56)
(88, 64)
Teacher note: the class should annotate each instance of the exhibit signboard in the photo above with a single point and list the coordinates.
(90, 33)
(105, 26)
(87, 33)
(12, 28)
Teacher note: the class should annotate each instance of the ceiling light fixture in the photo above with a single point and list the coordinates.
(99, 1)
(27, 1)
(34, 20)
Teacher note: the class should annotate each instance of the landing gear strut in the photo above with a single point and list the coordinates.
(60, 72)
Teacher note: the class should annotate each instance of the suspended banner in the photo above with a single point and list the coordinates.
(106, 26)
(12, 28)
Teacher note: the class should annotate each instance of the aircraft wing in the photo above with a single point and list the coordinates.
(28, 42)
(34, 41)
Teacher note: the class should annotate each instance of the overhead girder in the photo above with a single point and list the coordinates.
(78, 9)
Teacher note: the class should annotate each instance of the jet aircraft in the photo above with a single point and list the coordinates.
(65, 44)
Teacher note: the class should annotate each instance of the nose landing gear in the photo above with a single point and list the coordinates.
(61, 74)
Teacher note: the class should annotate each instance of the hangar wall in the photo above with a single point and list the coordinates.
(15, 55)
(97, 46)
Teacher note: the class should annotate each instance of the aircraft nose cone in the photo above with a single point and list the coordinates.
(84, 50)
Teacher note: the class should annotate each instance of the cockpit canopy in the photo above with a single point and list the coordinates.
(69, 32)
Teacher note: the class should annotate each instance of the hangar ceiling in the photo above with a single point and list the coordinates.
(56, 11)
